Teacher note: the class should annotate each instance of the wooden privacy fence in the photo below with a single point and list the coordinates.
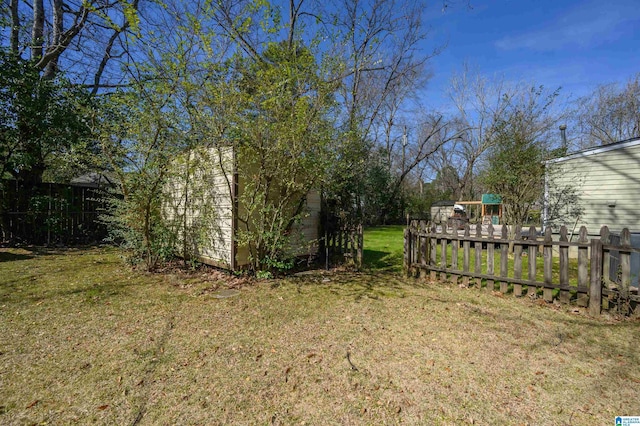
(499, 261)
(49, 213)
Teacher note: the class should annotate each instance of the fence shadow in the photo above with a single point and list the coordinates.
(382, 260)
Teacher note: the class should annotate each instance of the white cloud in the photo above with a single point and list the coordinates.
(591, 24)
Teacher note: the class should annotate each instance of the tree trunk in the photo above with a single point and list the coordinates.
(37, 30)
(58, 28)
(15, 28)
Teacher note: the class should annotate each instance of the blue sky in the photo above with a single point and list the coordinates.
(575, 45)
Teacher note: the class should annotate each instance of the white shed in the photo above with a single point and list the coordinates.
(606, 182)
(441, 211)
(205, 196)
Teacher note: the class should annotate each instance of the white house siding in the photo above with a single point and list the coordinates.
(209, 216)
(607, 180)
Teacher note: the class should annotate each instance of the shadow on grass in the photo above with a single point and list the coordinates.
(376, 285)
(30, 291)
(10, 254)
(11, 257)
(363, 285)
(376, 260)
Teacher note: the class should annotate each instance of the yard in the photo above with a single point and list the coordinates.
(83, 339)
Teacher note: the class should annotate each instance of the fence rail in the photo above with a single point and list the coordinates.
(527, 263)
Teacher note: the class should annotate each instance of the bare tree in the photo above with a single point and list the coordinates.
(381, 66)
(520, 143)
(76, 36)
(610, 114)
(480, 102)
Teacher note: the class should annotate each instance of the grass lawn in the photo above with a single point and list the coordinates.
(383, 248)
(85, 340)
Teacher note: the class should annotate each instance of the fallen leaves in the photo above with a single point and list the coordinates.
(314, 357)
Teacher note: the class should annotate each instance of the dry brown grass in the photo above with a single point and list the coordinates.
(85, 340)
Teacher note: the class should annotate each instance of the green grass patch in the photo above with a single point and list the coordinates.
(525, 259)
(83, 339)
(383, 248)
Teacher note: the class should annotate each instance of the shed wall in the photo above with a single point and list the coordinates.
(307, 230)
(206, 190)
(440, 214)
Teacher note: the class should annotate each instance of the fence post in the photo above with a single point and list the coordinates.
(605, 238)
(416, 241)
(433, 245)
(565, 295)
(407, 251)
(490, 261)
(595, 289)
(360, 248)
(583, 280)
(532, 260)
(547, 292)
(326, 250)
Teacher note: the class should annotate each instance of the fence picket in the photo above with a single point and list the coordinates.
(625, 263)
(466, 248)
(477, 248)
(455, 245)
(422, 241)
(443, 254)
(532, 254)
(595, 288)
(565, 295)
(433, 244)
(605, 238)
(517, 262)
(490, 260)
(504, 259)
(423, 249)
(547, 292)
(583, 278)
(416, 249)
